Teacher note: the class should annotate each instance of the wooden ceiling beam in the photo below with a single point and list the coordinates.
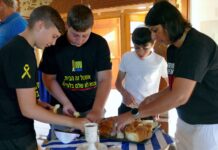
(63, 6)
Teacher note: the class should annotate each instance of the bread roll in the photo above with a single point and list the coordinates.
(76, 114)
(56, 107)
(120, 135)
(107, 126)
(138, 131)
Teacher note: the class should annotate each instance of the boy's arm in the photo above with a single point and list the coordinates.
(30, 109)
(103, 90)
(128, 99)
(119, 82)
(56, 91)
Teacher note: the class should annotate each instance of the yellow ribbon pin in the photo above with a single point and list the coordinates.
(26, 69)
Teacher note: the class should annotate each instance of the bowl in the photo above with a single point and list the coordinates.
(66, 137)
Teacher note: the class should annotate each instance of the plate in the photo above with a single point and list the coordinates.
(66, 137)
(99, 146)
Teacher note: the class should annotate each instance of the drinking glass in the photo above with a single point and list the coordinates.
(91, 135)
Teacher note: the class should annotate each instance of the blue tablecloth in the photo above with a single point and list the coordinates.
(158, 141)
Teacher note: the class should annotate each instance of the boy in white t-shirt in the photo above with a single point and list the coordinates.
(140, 71)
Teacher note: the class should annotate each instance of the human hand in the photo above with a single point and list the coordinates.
(129, 100)
(79, 123)
(95, 116)
(68, 109)
(123, 120)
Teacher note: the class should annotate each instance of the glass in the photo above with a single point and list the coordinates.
(91, 135)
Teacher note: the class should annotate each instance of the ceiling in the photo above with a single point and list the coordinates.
(64, 6)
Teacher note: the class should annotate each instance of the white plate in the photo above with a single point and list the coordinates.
(66, 137)
(99, 146)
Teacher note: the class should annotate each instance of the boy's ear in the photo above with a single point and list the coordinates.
(39, 25)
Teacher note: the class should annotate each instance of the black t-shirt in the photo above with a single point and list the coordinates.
(197, 59)
(76, 68)
(17, 70)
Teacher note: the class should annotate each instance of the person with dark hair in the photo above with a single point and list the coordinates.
(140, 71)
(193, 70)
(77, 70)
(18, 75)
(11, 23)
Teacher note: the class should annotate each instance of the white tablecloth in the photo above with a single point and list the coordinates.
(158, 141)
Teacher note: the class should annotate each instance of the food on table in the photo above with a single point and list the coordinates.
(120, 135)
(56, 107)
(107, 127)
(76, 114)
(137, 131)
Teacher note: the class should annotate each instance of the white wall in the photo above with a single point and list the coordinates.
(204, 17)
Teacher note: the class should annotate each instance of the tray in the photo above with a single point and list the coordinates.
(126, 140)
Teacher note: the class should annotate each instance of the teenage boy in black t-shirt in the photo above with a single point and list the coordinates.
(18, 69)
(77, 70)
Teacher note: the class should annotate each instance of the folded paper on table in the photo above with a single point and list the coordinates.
(158, 141)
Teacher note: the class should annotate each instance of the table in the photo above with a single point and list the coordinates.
(159, 140)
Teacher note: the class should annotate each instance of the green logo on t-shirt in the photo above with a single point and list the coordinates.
(76, 66)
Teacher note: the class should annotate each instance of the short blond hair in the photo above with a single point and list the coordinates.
(11, 3)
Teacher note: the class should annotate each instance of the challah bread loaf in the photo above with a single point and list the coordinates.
(138, 131)
(107, 127)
